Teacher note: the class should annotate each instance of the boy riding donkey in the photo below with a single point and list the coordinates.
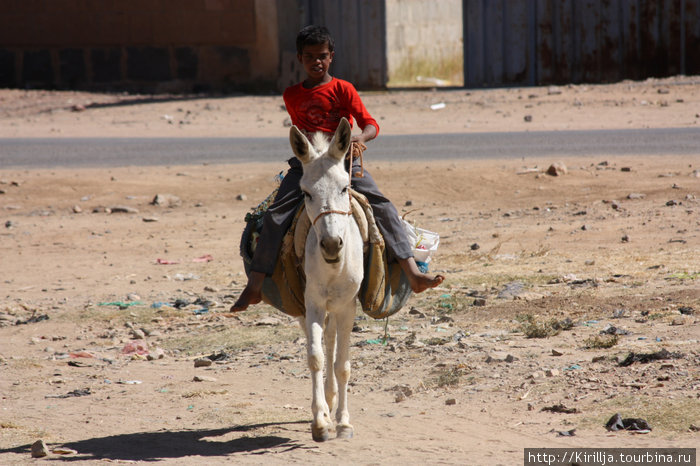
(317, 104)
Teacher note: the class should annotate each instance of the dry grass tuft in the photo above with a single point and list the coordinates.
(230, 339)
(448, 377)
(446, 68)
(663, 414)
(601, 341)
(532, 328)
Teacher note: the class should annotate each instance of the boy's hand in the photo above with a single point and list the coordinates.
(369, 132)
(356, 149)
(355, 152)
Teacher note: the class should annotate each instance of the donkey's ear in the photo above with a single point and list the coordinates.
(341, 140)
(300, 145)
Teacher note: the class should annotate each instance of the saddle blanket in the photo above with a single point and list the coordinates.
(384, 290)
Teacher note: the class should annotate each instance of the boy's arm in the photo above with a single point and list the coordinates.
(369, 132)
(357, 108)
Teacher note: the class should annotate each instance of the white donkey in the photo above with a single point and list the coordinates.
(334, 271)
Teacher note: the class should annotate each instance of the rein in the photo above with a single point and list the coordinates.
(354, 147)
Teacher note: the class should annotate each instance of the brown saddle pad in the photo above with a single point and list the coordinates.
(384, 290)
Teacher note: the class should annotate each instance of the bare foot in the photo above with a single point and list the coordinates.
(421, 282)
(246, 298)
(418, 280)
(252, 293)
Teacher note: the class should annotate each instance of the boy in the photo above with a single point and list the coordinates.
(317, 104)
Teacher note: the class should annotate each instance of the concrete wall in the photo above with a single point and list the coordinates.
(146, 45)
(424, 42)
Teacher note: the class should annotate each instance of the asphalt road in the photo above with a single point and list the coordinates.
(113, 152)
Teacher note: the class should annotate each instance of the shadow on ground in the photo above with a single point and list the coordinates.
(153, 446)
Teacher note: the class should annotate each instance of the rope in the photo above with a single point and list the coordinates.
(326, 212)
(356, 151)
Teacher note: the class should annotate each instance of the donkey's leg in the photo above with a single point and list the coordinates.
(342, 370)
(331, 386)
(302, 323)
(314, 346)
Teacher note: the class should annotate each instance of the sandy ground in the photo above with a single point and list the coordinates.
(650, 104)
(462, 375)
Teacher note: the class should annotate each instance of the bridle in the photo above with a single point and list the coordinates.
(342, 212)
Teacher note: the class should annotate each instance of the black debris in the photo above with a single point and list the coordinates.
(180, 303)
(648, 357)
(74, 393)
(33, 319)
(612, 330)
(560, 408)
(220, 356)
(616, 423)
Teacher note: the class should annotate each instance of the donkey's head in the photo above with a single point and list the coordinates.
(325, 185)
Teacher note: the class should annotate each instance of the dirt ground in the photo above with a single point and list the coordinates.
(107, 300)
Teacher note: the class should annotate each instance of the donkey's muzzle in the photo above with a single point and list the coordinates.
(330, 248)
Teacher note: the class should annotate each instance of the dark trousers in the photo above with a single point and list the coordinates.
(279, 217)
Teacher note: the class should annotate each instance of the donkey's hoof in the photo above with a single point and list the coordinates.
(344, 431)
(319, 434)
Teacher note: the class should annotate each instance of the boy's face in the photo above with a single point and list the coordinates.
(316, 60)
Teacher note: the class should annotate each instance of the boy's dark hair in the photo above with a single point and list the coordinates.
(314, 35)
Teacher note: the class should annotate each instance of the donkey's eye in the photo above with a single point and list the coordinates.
(345, 190)
(307, 195)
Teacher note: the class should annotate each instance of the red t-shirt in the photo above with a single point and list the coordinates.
(321, 108)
